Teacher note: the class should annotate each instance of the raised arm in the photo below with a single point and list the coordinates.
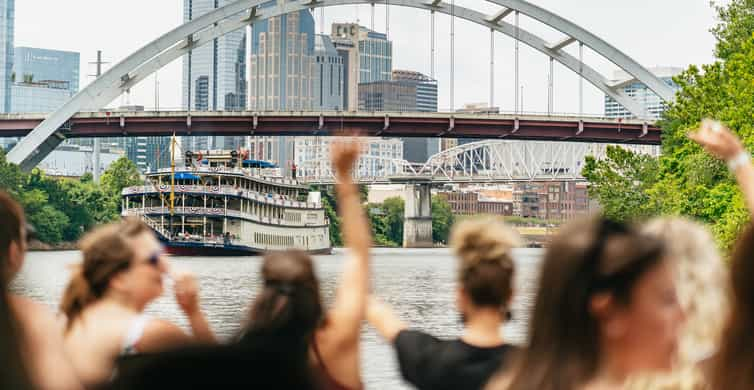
(719, 141)
(187, 296)
(351, 296)
(383, 318)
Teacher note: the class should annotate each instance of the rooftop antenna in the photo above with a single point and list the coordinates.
(96, 152)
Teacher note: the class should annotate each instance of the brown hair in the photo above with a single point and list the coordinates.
(286, 313)
(106, 252)
(13, 374)
(12, 217)
(290, 298)
(486, 267)
(588, 257)
(733, 366)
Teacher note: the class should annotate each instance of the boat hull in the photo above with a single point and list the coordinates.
(198, 249)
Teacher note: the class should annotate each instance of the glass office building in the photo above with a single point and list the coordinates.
(652, 105)
(214, 76)
(7, 18)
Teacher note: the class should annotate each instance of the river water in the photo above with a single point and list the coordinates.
(419, 283)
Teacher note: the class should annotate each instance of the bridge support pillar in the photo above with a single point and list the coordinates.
(417, 222)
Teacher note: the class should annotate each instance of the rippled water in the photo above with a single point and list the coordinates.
(419, 283)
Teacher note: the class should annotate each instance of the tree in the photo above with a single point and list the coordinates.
(442, 220)
(620, 182)
(394, 209)
(121, 174)
(688, 181)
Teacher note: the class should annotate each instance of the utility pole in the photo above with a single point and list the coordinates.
(96, 152)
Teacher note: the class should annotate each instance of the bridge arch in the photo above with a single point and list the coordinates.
(33, 148)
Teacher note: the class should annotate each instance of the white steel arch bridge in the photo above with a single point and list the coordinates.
(482, 162)
(239, 14)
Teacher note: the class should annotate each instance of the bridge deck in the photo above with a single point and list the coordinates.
(386, 124)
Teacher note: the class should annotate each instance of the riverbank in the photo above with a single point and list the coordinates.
(38, 246)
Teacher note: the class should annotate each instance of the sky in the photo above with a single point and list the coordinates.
(653, 32)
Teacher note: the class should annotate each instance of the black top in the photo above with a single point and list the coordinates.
(430, 363)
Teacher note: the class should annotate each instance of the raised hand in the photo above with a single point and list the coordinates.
(717, 140)
(344, 155)
(186, 292)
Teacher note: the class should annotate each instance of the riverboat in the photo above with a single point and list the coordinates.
(222, 204)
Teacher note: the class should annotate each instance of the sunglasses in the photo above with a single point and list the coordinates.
(154, 258)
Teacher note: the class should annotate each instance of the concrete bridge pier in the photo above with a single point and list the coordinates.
(417, 222)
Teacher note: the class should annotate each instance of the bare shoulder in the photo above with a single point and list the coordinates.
(33, 315)
(160, 335)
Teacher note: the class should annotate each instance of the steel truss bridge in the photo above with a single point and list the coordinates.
(483, 162)
(50, 132)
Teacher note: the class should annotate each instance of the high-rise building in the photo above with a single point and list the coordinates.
(148, 153)
(43, 79)
(328, 75)
(419, 150)
(367, 57)
(281, 75)
(214, 76)
(653, 106)
(7, 21)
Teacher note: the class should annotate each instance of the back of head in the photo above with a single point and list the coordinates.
(733, 366)
(587, 257)
(702, 283)
(289, 302)
(485, 273)
(106, 251)
(12, 217)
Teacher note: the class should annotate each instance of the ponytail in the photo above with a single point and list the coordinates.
(76, 297)
(106, 253)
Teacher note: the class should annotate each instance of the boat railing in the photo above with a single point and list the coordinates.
(242, 171)
(221, 190)
(143, 212)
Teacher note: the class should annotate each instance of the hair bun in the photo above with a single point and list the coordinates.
(483, 241)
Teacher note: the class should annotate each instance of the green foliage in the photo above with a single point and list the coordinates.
(442, 220)
(736, 26)
(62, 209)
(685, 180)
(620, 182)
(121, 174)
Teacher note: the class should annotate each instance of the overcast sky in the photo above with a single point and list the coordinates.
(654, 32)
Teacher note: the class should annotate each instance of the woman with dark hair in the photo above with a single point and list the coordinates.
(606, 309)
(485, 289)
(289, 308)
(31, 346)
(104, 302)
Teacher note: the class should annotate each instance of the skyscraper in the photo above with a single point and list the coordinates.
(43, 79)
(328, 75)
(367, 57)
(7, 20)
(419, 150)
(281, 75)
(214, 76)
(651, 103)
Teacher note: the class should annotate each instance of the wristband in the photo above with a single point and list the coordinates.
(742, 158)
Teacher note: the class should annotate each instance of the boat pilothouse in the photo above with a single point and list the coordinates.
(222, 204)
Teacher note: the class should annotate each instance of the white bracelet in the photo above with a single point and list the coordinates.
(742, 158)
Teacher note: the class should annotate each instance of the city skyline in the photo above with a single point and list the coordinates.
(410, 50)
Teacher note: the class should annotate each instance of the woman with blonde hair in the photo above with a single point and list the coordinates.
(485, 289)
(122, 272)
(701, 283)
